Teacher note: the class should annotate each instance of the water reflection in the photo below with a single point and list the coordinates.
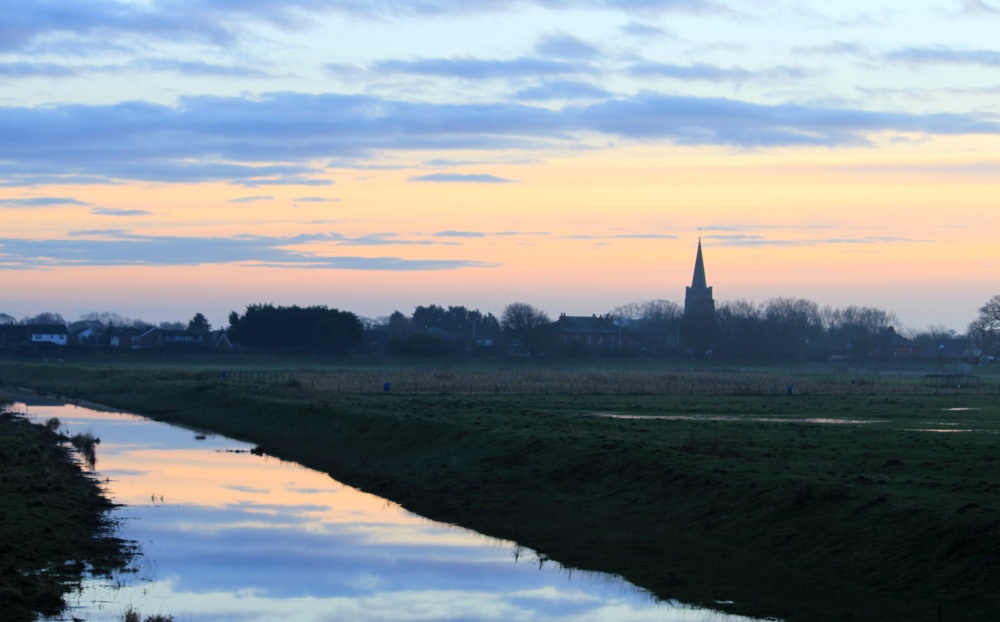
(755, 419)
(229, 535)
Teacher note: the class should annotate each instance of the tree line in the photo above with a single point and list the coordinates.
(779, 328)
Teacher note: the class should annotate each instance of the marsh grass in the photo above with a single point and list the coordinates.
(53, 522)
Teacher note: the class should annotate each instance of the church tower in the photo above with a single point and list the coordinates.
(698, 299)
(699, 311)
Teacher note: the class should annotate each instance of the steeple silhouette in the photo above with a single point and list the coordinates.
(698, 298)
(698, 282)
(699, 311)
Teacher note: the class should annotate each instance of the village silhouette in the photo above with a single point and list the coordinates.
(781, 328)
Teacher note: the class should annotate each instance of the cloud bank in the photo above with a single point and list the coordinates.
(29, 23)
(283, 138)
(120, 248)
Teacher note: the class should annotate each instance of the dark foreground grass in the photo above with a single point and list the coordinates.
(53, 522)
(863, 507)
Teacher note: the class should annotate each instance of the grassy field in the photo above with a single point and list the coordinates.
(872, 500)
(53, 521)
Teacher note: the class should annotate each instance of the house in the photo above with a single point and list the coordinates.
(161, 338)
(55, 334)
(122, 337)
(593, 331)
(88, 336)
(889, 344)
(220, 340)
(183, 338)
(962, 350)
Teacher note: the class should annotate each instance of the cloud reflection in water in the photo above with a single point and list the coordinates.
(228, 535)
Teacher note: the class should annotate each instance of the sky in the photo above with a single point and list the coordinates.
(160, 158)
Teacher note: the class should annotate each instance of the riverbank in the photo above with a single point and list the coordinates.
(53, 521)
(801, 507)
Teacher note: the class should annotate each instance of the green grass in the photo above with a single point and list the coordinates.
(53, 522)
(805, 507)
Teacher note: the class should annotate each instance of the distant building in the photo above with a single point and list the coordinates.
(593, 331)
(889, 344)
(699, 310)
(951, 350)
(698, 301)
(55, 334)
(161, 338)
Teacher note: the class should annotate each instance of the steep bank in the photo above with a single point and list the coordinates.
(767, 507)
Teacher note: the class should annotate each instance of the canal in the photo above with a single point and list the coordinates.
(226, 534)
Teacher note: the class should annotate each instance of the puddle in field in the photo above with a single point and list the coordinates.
(820, 420)
(949, 431)
(958, 409)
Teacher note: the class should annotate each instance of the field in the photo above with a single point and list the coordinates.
(865, 496)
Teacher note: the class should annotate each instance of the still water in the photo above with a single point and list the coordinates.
(228, 535)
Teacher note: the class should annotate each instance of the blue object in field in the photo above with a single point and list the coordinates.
(385, 387)
(789, 389)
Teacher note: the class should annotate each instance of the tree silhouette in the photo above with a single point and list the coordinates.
(986, 328)
(316, 329)
(527, 325)
(199, 324)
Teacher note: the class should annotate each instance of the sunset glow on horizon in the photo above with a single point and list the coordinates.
(161, 158)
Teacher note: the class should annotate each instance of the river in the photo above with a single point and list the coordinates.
(228, 535)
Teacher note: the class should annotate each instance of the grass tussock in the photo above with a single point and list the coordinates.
(86, 444)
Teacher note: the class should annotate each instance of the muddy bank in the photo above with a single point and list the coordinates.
(53, 521)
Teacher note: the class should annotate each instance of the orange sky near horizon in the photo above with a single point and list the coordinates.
(566, 236)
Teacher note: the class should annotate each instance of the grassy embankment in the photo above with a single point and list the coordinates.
(753, 499)
(53, 521)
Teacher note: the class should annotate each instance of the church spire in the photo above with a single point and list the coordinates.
(698, 298)
(699, 309)
(699, 282)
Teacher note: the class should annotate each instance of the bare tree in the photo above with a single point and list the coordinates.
(656, 322)
(45, 318)
(989, 315)
(110, 318)
(985, 329)
(649, 310)
(527, 325)
(853, 328)
(932, 334)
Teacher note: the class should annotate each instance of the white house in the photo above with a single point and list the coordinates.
(48, 333)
